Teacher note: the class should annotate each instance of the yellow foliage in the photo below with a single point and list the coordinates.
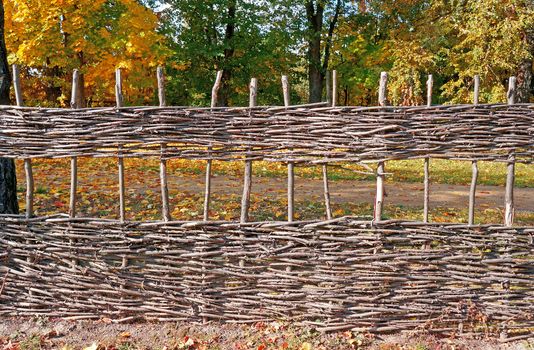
(50, 38)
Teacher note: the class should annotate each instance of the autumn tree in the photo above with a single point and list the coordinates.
(50, 38)
(456, 40)
(8, 179)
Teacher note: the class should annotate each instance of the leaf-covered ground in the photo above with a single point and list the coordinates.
(17, 334)
(98, 194)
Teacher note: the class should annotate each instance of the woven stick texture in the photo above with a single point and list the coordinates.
(306, 135)
(345, 273)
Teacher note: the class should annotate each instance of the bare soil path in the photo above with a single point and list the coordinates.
(343, 191)
(56, 334)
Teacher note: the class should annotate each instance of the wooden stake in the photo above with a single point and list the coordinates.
(426, 200)
(511, 90)
(119, 100)
(247, 186)
(476, 90)
(74, 160)
(326, 193)
(290, 165)
(27, 162)
(326, 186)
(472, 192)
(17, 85)
(509, 210)
(214, 96)
(474, 165)
(165, 206)
(426, 204)
(285, 89)
(207, 190)
(380, 171)
(334, 88)
(429, 86)
(118, 88)
(161, 86)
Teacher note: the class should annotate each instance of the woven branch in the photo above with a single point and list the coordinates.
(345, 273)
(305, 134)
(339, 274)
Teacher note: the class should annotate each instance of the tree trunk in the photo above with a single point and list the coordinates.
(8, 187)
(524, 74)
(8, 177)
(228, 53)
(316, 69)
(524, 81)
(315, 26)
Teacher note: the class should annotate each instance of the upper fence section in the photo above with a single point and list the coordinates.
(304, 134)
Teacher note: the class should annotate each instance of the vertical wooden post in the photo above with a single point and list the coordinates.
(334, 88)
(326, 193)
(118, 88)
(472, 192)
(285, 89)
(510, 175)
(17, 85)
(207, 191)
(474, 165)
(27, 161)
(74, 160)
(332, 102)
(29, 187)
(165, 207)
(120, 101)
(328, 87)
(161, 86)
(510, 95)
(429, 86)
(426, 200)
(476, 89)
(380, 170)
(247, 185)
(290, 165)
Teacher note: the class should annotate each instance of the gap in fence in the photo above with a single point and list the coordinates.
(98, 195)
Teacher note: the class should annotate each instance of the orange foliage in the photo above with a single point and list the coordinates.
(50, 38)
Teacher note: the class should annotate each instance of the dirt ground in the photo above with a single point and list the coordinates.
(103, 334)
(343, 191)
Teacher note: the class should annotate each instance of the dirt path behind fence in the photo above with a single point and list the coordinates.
(344, 191)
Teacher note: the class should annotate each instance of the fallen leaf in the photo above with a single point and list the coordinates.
(94, 346)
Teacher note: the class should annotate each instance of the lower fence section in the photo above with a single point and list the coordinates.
(339, 274)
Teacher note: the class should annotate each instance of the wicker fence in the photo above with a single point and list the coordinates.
(340, 273)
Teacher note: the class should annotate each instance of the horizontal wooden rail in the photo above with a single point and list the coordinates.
(303, 135)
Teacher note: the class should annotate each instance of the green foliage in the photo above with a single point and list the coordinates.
(456, 40)
(206, 37)
(451, 39)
